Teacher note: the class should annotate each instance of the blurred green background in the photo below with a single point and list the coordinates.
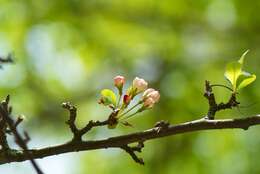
(68, 50)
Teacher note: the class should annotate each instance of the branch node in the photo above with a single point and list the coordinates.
(72, 118)
(162, 125)
(245, 127)
(211, 100)
(138, 147)
(131, 152)
(213, 106)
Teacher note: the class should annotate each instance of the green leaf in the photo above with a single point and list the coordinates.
(233, 71)
(238, 78)
(247, 79)
(108, 97)
(241, 60)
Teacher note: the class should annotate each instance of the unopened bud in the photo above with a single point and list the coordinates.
(119, 82)
(127, 99)
(151, 93)
(139, 84)
(148, 103)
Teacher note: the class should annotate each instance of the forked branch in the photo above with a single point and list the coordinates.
(161, 129)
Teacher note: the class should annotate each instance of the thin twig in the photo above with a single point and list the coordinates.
(131, 152)
(19, 140)
(78, 133)
(130, 109)
(224, 86)
(92, 124)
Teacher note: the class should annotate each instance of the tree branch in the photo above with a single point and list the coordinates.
(5, 116)
(123, 140)
(72, 118)
(161, 129)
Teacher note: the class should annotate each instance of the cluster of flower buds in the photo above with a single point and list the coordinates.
(120, 108)
(139, 85)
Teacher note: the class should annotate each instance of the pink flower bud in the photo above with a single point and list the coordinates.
(127, 99)
(155, 95)
(151, 93)
(139, 84)
(148, 103)
(147, 92)
(119, 81)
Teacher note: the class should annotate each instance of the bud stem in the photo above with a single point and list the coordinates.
(131, 115)
(118, 102)
(130, 109)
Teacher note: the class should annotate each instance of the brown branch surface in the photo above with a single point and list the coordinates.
(214, 107)
(142, 136)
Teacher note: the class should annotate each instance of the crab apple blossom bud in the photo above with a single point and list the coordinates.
(127, 99)
(119, 81)
(148, 103)
(139, 85)
(155, 95)
(151, 93)
(147, 92)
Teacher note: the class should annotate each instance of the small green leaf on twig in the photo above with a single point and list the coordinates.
(238, 78)
(108, 97)
(241, 60)
(247, 79)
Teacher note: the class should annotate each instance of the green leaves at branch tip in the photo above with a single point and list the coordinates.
(247, 78)
(236, 76)
(233, 71)
(241, 60)
(108, 97)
